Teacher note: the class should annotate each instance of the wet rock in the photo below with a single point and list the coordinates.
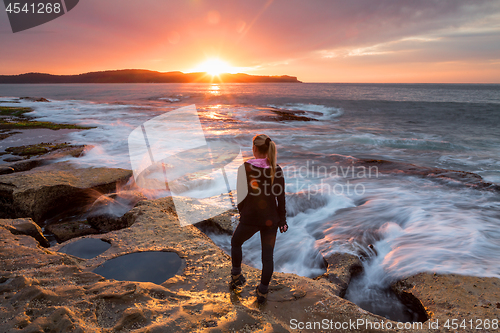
(4, 134)
(6, 169)
(341, 268)
(302, 201)
(34, 99)
(290, 115)
(25, 226)
(284, 115)
(13, 159)
(52, 188)
(446, 297)
(108, 222)
(68, 230)
(25, 165)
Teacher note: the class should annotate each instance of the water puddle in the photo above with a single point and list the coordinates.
(149, 266)
(86, 248)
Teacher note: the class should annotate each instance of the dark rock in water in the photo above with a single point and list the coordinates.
(284, 115)
(341, 268)
(108, 222)
(25, 165)
(13, 159)
(6, 169)
(34, 99)
(40, 149)
(4, 134)
(289, 115)
(301, 202)
(368, 252)
(86, 248)
(68, 230)
(46, 190)
(149, 266)
(25, 226)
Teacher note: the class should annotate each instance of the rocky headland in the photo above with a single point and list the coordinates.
(145, 76)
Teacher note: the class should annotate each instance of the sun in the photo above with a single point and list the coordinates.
(215, 67)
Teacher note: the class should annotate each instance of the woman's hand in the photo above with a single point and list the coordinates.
(284, 228)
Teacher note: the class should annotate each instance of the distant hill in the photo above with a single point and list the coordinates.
(142, 76)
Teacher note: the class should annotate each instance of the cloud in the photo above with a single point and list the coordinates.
(260, 34)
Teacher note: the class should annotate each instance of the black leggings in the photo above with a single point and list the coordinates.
(242, 233)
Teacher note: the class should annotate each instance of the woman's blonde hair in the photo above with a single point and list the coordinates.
(267, 146)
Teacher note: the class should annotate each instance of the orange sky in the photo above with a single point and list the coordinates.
(317, 41)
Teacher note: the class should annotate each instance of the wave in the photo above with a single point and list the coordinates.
(112, 124)
(406, 143)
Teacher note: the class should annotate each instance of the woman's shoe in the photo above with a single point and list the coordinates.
(261, 298)
(237, 281)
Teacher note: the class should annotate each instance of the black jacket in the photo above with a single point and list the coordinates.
(263, 204)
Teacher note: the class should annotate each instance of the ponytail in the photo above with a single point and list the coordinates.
(271, 158)
(267, 146)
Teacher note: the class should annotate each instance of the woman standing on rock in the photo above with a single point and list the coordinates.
(261, 203)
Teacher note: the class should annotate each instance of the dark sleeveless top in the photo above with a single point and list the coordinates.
(264, 205)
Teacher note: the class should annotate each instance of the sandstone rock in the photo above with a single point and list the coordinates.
(108, 222)
(221, 223)
(25, 226)
(69, 230)
(448, 297)
(341, 268)
(25, 165)
(51, 188)
(4, 169)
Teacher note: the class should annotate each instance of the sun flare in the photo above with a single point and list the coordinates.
(215, 67)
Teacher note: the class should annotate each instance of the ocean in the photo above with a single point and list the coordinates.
(416, 224)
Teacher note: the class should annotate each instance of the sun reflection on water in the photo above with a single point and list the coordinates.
(214, 89)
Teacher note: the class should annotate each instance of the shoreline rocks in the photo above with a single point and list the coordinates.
(44, 290)
(341, 268)
(455, 297)
(25, 226)
(51, 188)
(47, 290)
(28, 164)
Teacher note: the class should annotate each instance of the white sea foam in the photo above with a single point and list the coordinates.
(113, 123)
(406, 143)
(424, 227)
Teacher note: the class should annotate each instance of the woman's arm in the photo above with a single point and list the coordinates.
(242, 186)
(280, 181)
